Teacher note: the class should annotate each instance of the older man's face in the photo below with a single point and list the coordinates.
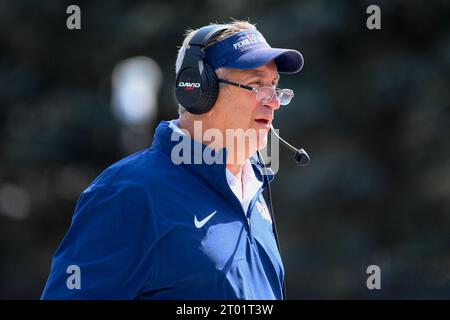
(237, 108)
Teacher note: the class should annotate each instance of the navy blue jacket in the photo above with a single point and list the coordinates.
(147, 228)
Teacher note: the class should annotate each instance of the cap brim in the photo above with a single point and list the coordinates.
(287, 60)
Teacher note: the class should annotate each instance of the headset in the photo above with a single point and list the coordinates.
(197, 86)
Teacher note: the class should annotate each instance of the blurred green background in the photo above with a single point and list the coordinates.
(371, 108)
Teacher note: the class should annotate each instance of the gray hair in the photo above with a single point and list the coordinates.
(234, 27)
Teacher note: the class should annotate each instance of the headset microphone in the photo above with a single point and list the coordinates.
(301, 157)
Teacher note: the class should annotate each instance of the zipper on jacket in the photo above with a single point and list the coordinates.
(250, 235)
(248, 214)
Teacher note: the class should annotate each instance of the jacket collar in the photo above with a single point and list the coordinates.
(170, 142)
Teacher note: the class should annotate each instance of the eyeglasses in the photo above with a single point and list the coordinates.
(266, 94)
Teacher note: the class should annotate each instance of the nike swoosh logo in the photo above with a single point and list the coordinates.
(201, 223)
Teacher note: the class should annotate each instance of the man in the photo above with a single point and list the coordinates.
(161, 225)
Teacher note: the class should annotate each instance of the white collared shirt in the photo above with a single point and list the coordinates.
(247, 188)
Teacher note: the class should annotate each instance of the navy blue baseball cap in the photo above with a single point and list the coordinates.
(249, 50)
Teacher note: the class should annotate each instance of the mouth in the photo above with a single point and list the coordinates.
(264, 122)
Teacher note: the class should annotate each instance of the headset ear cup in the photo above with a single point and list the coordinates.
(196, 86)
(213, 88)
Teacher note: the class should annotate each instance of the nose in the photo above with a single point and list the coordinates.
(274, 103)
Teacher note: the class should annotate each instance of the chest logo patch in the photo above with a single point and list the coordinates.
(201, 223)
